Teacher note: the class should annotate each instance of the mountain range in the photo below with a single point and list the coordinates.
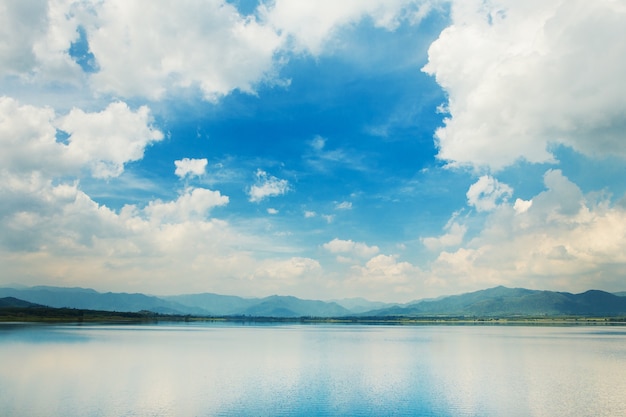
(498, 301)
(507, 302)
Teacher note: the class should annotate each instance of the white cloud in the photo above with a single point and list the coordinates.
(28, 139)
(267, 186)
(311, 24)
(190, 167)
(142, 49)
(102, 142)
(522, 206)
(387, 266)
(487, 193)
(386, 270)
(30, 206)
(109, 139)
(145, 48)
(17, 20)
(521, 76)
(344, 205)
(561, 240)
(328, 217)
(288, 269)
(52, 50)
(454, 235)
(386, 278)
(194, 203)
(318, 143)
(272, 211)
(309, 214)
(353, 248)
(35, 37)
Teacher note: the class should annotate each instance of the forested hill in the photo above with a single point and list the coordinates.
(12, 302)
(503, 301)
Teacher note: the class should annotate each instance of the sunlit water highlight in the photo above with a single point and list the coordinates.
(317, 370)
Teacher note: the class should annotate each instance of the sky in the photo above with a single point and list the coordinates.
(387, 149)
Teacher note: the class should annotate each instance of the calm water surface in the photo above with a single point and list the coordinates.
(317, 370)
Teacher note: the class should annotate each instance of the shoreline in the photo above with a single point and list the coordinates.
(70, 315)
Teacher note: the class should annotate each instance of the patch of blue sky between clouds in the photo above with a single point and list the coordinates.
(245, 7)
(81, 54)
(336, 98)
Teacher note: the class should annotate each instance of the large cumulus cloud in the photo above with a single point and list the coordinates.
(561, 239)
(101, 141)
(152, 49)
(522, 77)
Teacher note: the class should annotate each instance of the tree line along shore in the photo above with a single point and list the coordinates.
(72, 315)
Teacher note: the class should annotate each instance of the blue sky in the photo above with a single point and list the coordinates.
(393, 150)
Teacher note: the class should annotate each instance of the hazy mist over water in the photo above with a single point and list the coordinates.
(238, 370)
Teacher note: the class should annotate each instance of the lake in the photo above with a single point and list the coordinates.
(317, 370)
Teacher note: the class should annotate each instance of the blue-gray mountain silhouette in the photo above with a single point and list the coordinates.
(498, 301)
